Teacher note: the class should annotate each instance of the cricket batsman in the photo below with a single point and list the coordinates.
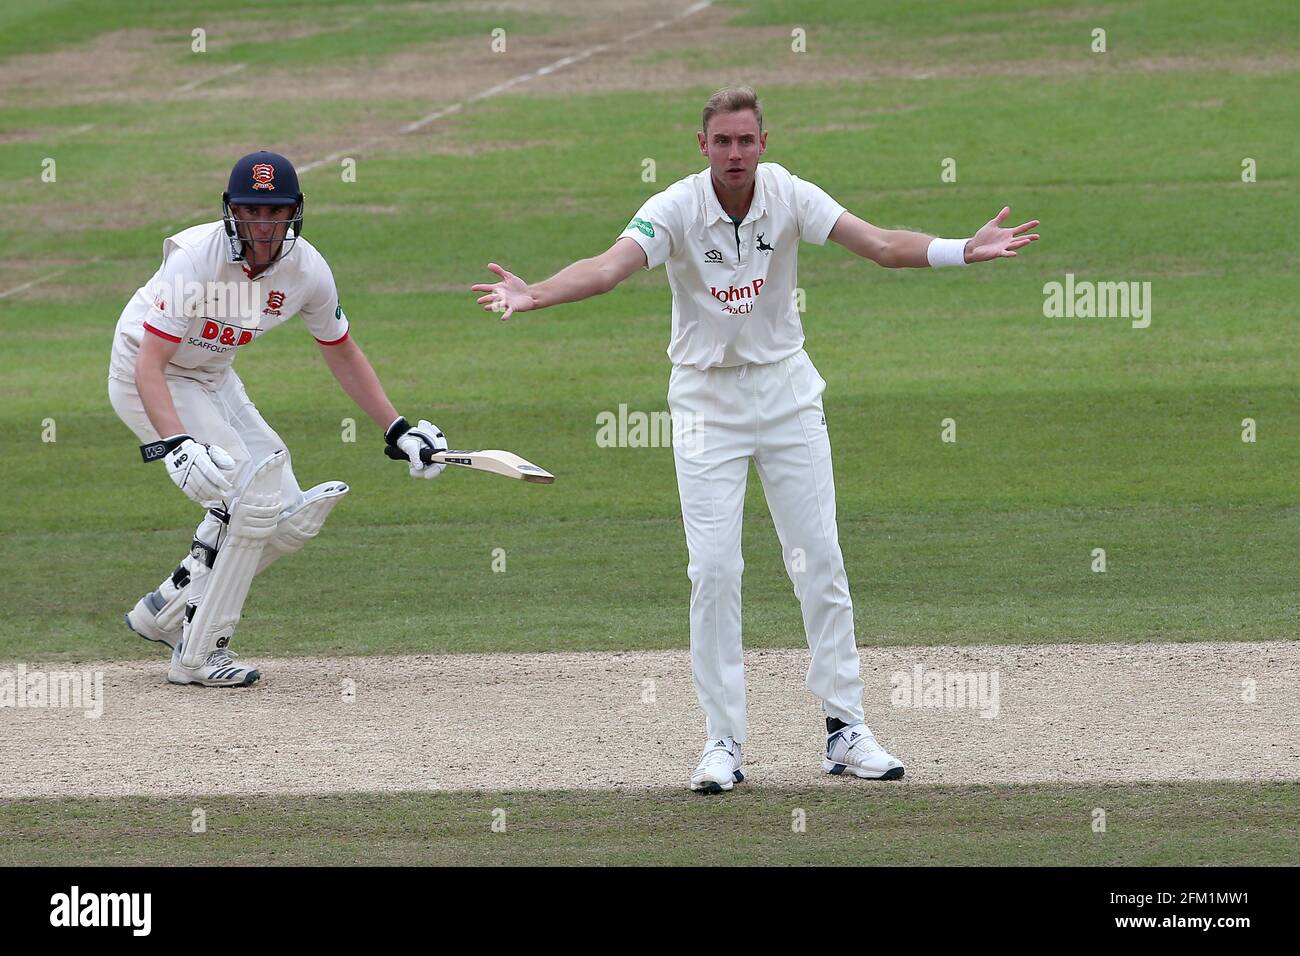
(171, 379)
(730, 237)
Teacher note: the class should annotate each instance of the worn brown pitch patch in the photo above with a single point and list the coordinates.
(1065, 713)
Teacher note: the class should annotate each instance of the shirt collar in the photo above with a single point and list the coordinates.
(713, 210)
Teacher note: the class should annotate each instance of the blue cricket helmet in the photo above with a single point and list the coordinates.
(262, 179)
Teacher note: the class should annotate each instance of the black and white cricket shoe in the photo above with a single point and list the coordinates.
(854, 750)
(719, 768)
(219, 670)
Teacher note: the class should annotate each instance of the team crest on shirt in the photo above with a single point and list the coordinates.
(274, 303)
(263, 176)
(762, 246)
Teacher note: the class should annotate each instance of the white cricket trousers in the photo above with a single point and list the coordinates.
(221, 415)
(723, 417)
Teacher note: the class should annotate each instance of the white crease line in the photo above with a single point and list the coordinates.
(445, 111)
(207, 79)
(557, 65)
(317, 163)
(46, 278)
(650, 29)
(437, 114)
(28, 285)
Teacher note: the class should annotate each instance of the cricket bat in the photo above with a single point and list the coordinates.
(492, 460)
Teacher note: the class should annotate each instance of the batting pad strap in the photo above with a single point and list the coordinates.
(946, 252)
(200, 552)
(154, 450)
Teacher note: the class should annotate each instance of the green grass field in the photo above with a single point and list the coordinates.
(1072, 434)
(1145, 825)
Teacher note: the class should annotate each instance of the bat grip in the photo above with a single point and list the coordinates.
(395, 453)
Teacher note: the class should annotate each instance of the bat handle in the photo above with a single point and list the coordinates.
(395, 453)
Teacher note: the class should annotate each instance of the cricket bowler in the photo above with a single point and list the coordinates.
(171, 379)
(730, 236)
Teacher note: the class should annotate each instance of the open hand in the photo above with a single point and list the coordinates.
(995, 242)
(508, 296)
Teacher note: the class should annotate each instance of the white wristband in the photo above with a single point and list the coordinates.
(946, 252)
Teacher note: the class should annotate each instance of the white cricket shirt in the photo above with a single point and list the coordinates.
(202, 298)
(733, 285)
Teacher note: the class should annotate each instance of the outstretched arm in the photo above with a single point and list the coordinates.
(900, 249)
(581, 280)
(353, 371)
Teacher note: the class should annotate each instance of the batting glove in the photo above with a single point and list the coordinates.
(410, 441)
(203, 472)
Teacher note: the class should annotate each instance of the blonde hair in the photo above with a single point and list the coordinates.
(733, 99)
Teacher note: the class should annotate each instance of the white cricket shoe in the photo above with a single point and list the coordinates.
(719, 767)
(142, 619)
(854, 750)
(219, 670)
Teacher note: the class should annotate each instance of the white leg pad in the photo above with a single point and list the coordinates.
(253, 519)
(292, 533)
(299, 526)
